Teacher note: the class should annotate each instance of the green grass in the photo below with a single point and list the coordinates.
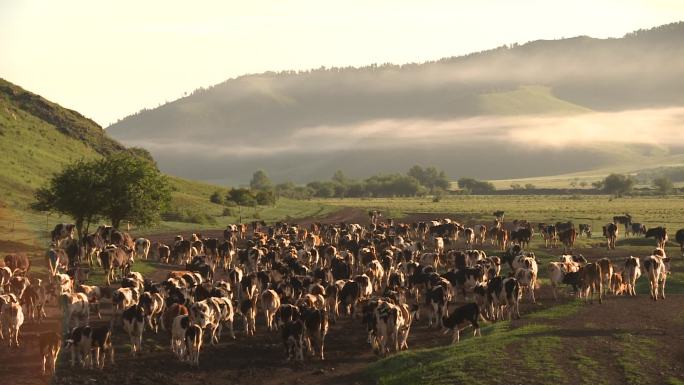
(526, 100)
(473, 359)
(595, 210)
(588, 369)
(636, 352)
(559, 311)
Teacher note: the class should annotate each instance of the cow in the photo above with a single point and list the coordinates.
(469, 237)
(5, 276)
(527, 279)
(93, 244)
(213, 313)
(164, 253)
(437, 300)
(631, 273)
(659, 234)
(480, 234)
(35, 300)
(74, 306)
(501, 237)
(610, 231)
(61, 232)
(606, 273)
(122, 299)
(390, 324)
(349, 296)
(315, 330)
(84, 340)
(142, 248)
(270, 302)
(134, 324)
(504, 294)
(557, 271)
(656, 268)
(12, 317)
(568, 238)
(550, 235)
(461, 317)
(585, 229)
(18, 261)
(193, 343)
(292, 334)
(637, 229)
(179, 326)
(49, 345)
(591, 280)
(113, 258)
(625, 220)
(522, 236)
(679, 237)
(153, 306)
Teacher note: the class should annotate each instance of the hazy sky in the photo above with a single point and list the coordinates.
(108, 59)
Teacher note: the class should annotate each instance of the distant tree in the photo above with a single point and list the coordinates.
(598, 185)
(77, 191)
(583, 184)
(618, 184)
(530, 186)
(429, 177)
(265, 198)
(260, 181)
(663, 185)
(339, 177)
(516, 186)
(475, 186)
(216, 197)
(241, 197)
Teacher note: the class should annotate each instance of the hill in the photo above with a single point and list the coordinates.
(304, 125)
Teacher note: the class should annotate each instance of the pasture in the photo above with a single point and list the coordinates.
(624, 340)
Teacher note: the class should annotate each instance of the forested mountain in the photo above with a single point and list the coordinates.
(494, 104)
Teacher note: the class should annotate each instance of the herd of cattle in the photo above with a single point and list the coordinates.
(303, 279)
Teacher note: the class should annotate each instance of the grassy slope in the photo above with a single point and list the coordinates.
(526, 100)
(38, 138)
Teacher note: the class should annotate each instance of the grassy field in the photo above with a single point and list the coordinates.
(595, 210)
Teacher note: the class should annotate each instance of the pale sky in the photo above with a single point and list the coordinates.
(108, 59)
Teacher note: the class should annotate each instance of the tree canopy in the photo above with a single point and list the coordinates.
(118, 187)
(618, 184)
(260, 181)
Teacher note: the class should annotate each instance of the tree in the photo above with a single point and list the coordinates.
(260, 181)
(475, 186)
(241, 196)
(216, 197)
(265, 198)
(618, 184)
(120, 187)
(135, 190)
(340, 178)
(77, 191)
(530, 186)
(663, 185)
(429, 177)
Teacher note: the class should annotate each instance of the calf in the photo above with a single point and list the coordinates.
(436, 300)
(527, 278)
(49, 344)
(193, 343)
(133, 324)
(171, 313)
(459, 320)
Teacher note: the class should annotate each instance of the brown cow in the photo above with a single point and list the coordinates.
(18, 261)
(591, 282)
(568, 238)
(116, 258)
(610, 231)
(606, 273)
